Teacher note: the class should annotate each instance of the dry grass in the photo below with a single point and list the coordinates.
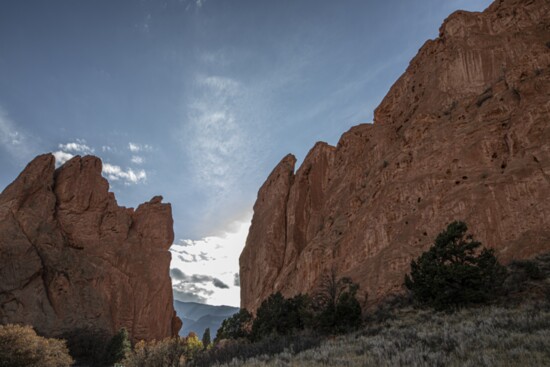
(490, 336)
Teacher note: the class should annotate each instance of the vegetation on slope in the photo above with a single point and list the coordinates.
(488, 336)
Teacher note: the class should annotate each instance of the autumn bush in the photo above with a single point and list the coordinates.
(20, 346)
(170, 352)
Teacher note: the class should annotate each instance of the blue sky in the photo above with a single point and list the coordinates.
(198, 100)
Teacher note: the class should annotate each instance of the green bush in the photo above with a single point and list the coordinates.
(21, 347)
(87, 345)
(337, 308)
(235, 327)
(453, 273)
(118, 348)
(278, 315)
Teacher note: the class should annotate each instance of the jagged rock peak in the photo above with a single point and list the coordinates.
(73, 259)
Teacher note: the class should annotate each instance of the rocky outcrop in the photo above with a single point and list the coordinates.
(464, 134)
(72, 259)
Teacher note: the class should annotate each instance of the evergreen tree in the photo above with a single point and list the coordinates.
(206, 338)
(454, 273)
(236, 326)
(278, 315)
(118, 348)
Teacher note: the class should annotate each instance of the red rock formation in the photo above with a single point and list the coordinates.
(71, 258)
(464, 134)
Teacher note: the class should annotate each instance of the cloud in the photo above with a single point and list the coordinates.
(196, 279)
(219, 284)
(187, 256)
(216, 140)
(61, 157)
(129, 176)
(237, 280)
(12, 139)
(79, 147)
(134, 148)
(176, 274)
(106, 148)
(184, 296)
(137, 159)
(210, 264)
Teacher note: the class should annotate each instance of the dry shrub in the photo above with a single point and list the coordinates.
(20, 346)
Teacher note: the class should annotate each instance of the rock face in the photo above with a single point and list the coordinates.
(464, 134)
(71, 258)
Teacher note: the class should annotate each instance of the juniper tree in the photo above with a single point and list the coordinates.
(455, 271)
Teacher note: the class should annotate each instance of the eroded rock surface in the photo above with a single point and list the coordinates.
(464, 134)
(71, 258)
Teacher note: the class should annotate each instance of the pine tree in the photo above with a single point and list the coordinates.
(118, 348)
(454, 273)
(206, 338)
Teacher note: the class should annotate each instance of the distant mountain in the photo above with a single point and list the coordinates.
(197, 317)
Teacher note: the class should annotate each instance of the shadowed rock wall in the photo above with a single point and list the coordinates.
(71, 258)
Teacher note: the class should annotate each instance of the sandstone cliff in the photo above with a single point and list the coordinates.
(71, 258)
(464, 134)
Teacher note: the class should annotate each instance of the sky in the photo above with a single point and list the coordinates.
(198, 100)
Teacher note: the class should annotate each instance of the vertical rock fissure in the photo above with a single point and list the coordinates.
(44, 271)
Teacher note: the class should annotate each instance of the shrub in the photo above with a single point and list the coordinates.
(21, 347)
(336, 304)
(278, 315)
(166, 353)
(118, 348)
(233, 350)
(87, 345)
(453, 273)
(236, 326)
(192, 345)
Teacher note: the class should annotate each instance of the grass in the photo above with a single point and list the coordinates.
(489, 336)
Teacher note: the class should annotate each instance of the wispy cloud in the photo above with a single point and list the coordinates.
(193, 4)
(12, 139)
(128, 176)
(218, 139)
(78, 147)
(137, 159)
(134, 147)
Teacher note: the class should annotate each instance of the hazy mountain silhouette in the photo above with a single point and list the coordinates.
(197, 317)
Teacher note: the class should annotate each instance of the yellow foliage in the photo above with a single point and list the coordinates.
(21, 347)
